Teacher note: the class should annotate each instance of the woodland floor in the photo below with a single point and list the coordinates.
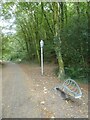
(28, 94)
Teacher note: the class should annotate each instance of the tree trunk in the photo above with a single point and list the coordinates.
(88, 43)
(57, 40)
(37, 38)
(65, 7)
(46, 18)
(62, 15)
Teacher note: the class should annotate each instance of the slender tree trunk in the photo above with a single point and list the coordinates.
(88, 39)
(46, 18)
(37, 38)
(78, 32)
(65, 7)
(62, 15)
(26, 42)
(88, 16)
(57, 40)
(88, 43)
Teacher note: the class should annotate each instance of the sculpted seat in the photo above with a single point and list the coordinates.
(71, 88)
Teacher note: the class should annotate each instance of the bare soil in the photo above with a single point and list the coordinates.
(28, 94)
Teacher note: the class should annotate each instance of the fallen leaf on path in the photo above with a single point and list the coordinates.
(66, 101)
(83, 103)
(52, 116)
(43, 102)
(45, 88)
(45, 92)
(45, 108)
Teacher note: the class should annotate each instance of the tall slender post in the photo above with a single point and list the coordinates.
(41, 45)
(42, 60)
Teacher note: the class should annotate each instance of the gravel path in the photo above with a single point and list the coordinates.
(17, 102)
(27, 94)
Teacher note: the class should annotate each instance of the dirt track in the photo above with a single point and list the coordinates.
(27, 94)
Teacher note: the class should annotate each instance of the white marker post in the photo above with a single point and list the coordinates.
(41, 45)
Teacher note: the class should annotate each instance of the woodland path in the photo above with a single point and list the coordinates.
(27, 94)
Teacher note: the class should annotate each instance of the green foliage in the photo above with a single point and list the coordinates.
(64, 27)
